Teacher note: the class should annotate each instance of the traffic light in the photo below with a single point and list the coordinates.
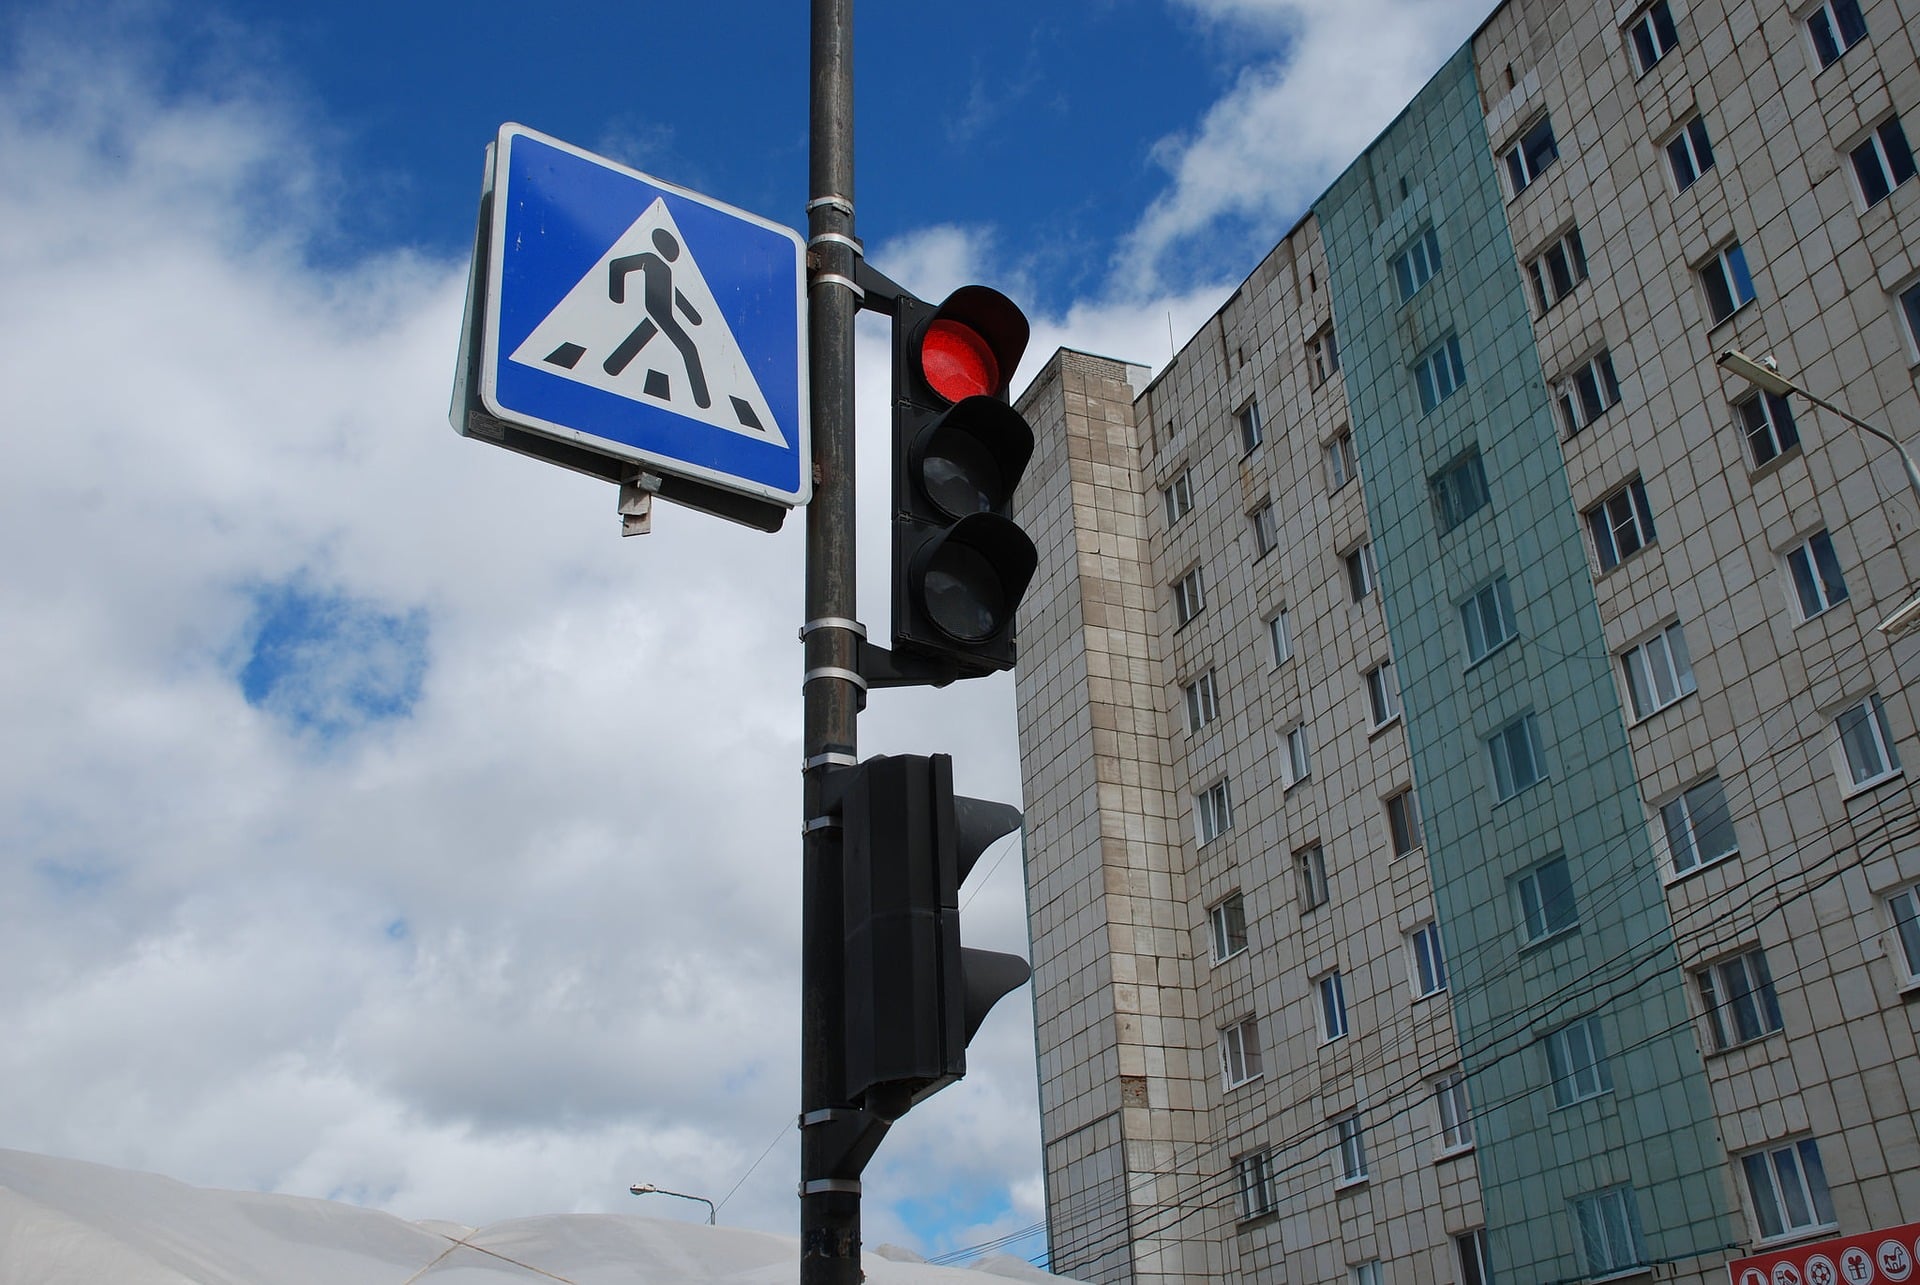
(914, 995)
(960, 564)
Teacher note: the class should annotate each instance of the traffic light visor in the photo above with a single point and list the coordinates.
(971, 344)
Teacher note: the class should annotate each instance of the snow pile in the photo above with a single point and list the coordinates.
(65, 1222)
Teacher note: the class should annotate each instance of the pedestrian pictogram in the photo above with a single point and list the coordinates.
(631, 329)
(642, 324)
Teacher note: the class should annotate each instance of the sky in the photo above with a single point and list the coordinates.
(375, 822)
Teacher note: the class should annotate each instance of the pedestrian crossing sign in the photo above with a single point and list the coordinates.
(630, 328)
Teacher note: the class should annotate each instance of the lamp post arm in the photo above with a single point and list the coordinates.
(1913, 470)
(649, 1189)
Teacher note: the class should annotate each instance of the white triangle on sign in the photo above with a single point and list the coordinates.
(643, 324)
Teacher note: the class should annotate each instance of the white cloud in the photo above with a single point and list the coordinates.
(1338, 73)
(530, 943)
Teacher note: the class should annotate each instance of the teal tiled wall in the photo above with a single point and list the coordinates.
(1655, 1129)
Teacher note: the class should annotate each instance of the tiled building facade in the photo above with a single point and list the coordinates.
(1467, 831)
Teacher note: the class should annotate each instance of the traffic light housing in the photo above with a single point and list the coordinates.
(960, 563)
(914, 995)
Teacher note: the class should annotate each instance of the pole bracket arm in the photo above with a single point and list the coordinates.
(882, 293)
(884, 668)
(849, 1137)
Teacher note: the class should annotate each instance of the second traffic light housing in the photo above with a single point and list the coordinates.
(960, 562)
(914, 995)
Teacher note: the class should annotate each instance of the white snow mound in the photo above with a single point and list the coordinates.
(67, 1222)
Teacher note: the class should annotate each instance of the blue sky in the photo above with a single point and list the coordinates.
(1041, 127)
(373, 819)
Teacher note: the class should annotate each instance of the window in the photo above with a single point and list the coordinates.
(1883, 162)
(1202, 705)
(1689, 154)
(1179, 496)
(1767, 421)
(1698, 826)
(1738, 996)
(1476, 1267)
(1403, 822)
(1310, 873)
(1280, 636)
(1266, 533)
(1529, 158)
(1429, 962)
(1189, 596)
(1588, 392)
(1240, 1052)
(1728, 284)
(1248, 418)
(1910, 311)
(1835, 27)
(1904, 906)
(1653, 35)
(1546, 899)
(1228, 920)
(1558, 270)
(1213, 808)
(1362, 571)
(1340, 465)
(1658, 671)
(1259, 1184)
(1440, 374)
(1577, 1062)
(1323, 355)
(1817, 583)
(1515, 750)
(1368, 1273)
(1383, 702)
(1455, 1111)
(1352, 1140)
(1621, 524)
(1299, 762)
(1414, 266)
(1333, 1007)
(1788, 1186)
(1487, 618)
(1609, 1224)
(1865, 743)
(1459, 490)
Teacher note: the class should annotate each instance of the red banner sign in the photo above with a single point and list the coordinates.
(1890, 1257)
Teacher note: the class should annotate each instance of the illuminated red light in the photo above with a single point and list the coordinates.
(957, 362)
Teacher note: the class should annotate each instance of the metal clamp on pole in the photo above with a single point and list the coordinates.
(833, 622)
(819, 1185)
(835, 238)
(835, 279)
(830, 759)
(853, 676)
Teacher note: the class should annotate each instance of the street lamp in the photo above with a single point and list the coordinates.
(648, 1189)
(1764, 373)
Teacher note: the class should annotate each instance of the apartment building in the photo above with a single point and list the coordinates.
(1468, 834)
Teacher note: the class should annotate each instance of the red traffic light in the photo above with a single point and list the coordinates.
(957, 362)
(971, 345)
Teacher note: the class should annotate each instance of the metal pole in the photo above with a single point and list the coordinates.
(829, 1205)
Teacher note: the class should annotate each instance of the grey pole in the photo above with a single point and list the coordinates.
(829, 1204)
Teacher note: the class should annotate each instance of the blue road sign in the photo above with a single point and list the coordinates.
(637, 320)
